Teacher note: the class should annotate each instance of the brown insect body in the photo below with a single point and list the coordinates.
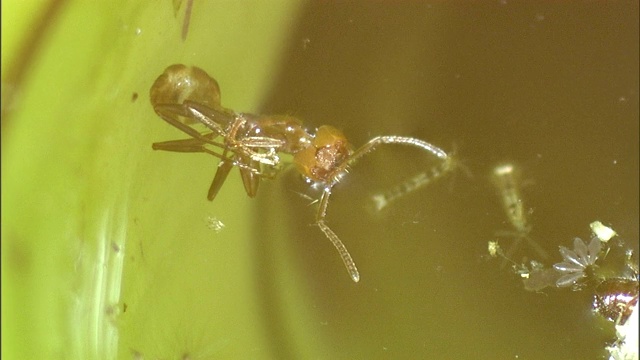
(616, 298)
(186, 96)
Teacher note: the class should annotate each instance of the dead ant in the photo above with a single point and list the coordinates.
(184, 96)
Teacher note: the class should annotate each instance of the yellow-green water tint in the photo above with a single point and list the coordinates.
(105, 245)
(551, 88)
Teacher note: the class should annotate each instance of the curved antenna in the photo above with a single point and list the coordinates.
(341, 168)
(335, 240)
(402, 140)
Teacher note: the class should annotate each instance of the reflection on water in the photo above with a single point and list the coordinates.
(99, 271)
(550, 87)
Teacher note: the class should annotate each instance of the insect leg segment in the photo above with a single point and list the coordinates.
(384, 199)
(335, 240)
(418, 181)
(171, 113)
(216, 120)
(251, 178)
(184, 145)
(328, 159)
(224, 167)
(375, 142)
(190, 145)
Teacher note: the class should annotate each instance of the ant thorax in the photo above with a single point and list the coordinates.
(286, 128)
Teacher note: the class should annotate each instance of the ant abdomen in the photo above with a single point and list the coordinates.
(179, 83)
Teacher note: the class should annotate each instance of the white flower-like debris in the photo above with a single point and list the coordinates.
(576, 261)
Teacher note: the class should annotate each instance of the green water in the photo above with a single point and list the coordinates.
(551, 88)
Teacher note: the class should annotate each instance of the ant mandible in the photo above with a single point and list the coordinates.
(184, 96)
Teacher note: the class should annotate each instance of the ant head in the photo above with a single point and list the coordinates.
(325, 159)
(179, 83)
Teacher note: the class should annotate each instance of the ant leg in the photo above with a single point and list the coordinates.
(422, 179)
(215, 119)
(512, 249)
(187, 18)
(251, 177)
(224, 167)
(324, 200)
(187, 145)
(342, 250)
(171, 114)
(518, 237)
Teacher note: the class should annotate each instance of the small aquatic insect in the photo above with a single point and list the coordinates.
(506, 180)
(186, 96)
(383, 199)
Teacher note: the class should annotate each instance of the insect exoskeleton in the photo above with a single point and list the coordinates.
(187, 96)
(328, 151)
(180, 82)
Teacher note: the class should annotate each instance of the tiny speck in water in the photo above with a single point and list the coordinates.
(214, 224)
(305, 43)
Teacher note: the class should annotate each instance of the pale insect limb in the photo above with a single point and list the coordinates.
(198, 145)
(416, 182)
(382, 200)
(496, 251)
(518, 237)
(373, 144)
(363, 150)
(214, 120)
(534, 279)
(306, 197)
(342, 250)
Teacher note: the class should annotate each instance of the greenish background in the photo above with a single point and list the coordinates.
(551, 87)
(106, 248)
(93, 221)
